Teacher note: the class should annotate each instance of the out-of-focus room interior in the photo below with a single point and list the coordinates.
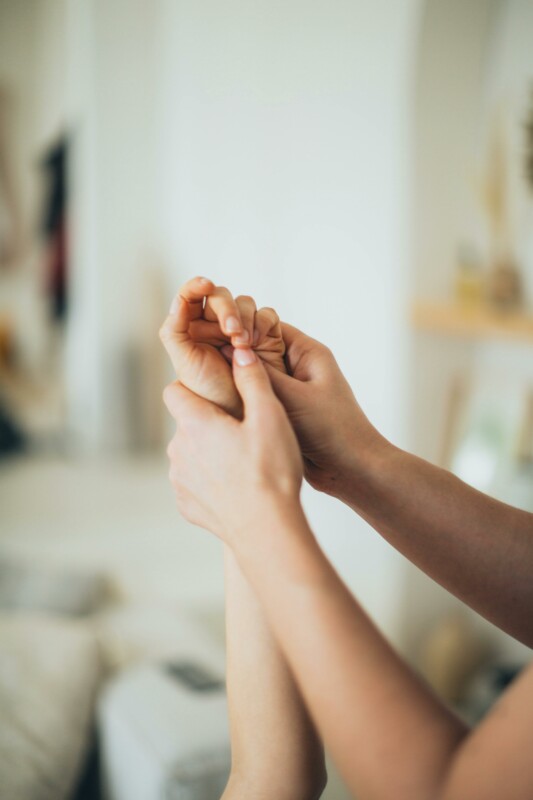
(364, 167)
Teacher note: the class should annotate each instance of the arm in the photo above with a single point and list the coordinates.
(389, 735)
(478, 548)
(275, 749)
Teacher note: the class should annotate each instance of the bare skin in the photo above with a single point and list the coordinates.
(465, 540)
(275, 749)
(389, 735)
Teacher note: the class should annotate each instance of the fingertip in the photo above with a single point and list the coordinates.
(241, 339)
(244, 357)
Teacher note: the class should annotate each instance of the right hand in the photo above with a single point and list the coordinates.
(204, 326)
(333, 432)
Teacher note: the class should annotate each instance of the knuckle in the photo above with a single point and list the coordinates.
(245, 299)
(270, 315)
(164, 333)
(171, 450)
(167, 394)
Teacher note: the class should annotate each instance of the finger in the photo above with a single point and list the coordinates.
(252, 382)
(267, 323)
(221, 306)
(174, 333)
(247, 309)
(303, 352)
(288, 390)
(185, 405)
(186, 307)
(292, 334)
(194, 292)
(207, 333)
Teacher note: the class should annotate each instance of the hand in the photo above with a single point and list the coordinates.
(226, 472)
(200, 339)
(332, 430)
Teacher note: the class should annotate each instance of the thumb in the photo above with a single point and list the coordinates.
(251, 380)
(174, 333)
(286, 388)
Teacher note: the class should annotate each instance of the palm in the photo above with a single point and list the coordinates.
(207, 373)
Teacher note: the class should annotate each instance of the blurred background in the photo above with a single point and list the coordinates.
(364, 167)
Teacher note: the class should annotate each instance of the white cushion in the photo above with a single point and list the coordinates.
(32, 586)
(49, 674)
(162, 739)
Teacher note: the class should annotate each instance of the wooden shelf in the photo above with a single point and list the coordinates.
(474, 323)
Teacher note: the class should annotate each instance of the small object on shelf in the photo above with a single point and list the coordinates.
(469, 283)
(505, 287)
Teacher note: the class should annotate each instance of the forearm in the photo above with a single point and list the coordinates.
(390, 737)
(275, 749)
(465, 540)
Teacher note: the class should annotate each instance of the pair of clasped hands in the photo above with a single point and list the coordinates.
(257, 404)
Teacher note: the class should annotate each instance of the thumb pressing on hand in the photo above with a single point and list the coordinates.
(251, 380)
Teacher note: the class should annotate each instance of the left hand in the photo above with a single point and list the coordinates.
(204, 326)
(225, 471)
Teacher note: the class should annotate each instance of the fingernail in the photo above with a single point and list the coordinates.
(204, 280)
(244, 357)
(242, 338)
(233, 325)
(256, 336)
(174, 306)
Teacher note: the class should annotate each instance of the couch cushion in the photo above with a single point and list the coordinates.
(49, 674)
(33, 586)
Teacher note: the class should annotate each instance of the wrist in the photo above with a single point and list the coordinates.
(278, 540)
(361, 467)
(264, 516)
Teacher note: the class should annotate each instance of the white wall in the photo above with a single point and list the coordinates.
(32, 69)
(111, 89)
